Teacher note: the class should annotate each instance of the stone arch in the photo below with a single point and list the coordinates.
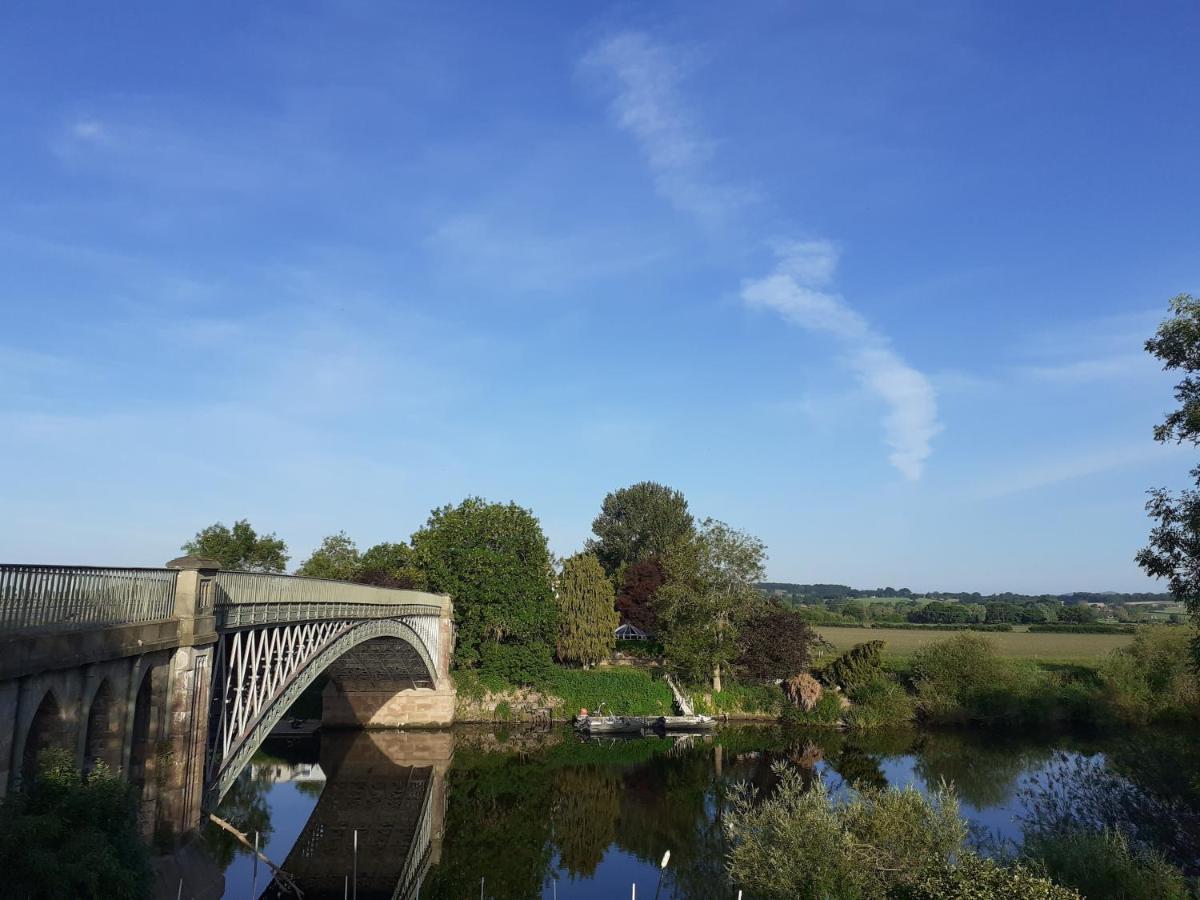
(102, 729)
(415, 655)
(140, 722)
(47, 729)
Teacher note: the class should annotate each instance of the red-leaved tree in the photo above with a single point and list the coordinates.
(635, 602)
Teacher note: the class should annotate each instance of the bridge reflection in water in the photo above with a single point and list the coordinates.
(390, 786)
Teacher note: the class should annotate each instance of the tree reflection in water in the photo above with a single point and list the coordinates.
(527, 807)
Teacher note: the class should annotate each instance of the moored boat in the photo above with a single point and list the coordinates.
(611, 724)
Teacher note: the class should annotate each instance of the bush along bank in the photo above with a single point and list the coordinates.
(964, 680)
(800, 842)
(961, 680)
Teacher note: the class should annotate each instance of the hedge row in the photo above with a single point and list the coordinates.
(921, 626)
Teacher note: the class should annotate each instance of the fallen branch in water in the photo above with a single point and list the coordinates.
(281, 876)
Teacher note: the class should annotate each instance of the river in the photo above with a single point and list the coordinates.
(473, 812)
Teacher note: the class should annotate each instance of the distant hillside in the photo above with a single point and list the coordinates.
(819, 593)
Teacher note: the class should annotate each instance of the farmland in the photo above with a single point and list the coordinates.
(901, 643)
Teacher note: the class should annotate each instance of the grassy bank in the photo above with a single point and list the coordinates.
(486, 698)
(624, 690)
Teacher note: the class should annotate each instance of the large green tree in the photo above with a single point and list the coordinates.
(240, 548)
(1174, 549)
(637, 523)
(390, 565)
(586, 614)
(709, 593)
(337, 558)
(493, 560)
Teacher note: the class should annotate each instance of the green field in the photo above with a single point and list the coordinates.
(1020, 644)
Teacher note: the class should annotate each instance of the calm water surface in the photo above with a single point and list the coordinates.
(546, 814)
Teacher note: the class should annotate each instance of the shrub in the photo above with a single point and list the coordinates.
(880, 701)
(962, 679)
(948, 674)
(973, 878)
(801, 843)
(1082, 794)
(1104, 864)
(774, 644)
(828, 711)
(1152, 678)
(517, 663)
(748, 698)
(858, 665)
(69, 837)
(641, 649)
(1091, 628)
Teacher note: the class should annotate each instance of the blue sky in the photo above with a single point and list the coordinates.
(867, 280)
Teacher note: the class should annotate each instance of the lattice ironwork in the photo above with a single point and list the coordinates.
(260, 672)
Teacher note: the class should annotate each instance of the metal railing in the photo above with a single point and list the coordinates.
(68, 598)
(259, 587)
(242, 599)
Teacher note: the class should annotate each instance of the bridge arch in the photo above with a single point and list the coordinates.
(140, 726)
(47, 729)
(101, 731)
(265, 670)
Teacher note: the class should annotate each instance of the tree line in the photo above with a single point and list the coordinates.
(518, 609)
(819, 593)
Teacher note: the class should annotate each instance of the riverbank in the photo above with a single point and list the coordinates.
(628, 690)
(959, 678)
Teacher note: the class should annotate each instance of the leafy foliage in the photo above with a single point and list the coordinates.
(799, 842)
(639, 586)
(392, 566)
(860, 664)
(879, 701)
(70, 837)
(1152, 678)
(973, 878)
(492, 559)
(1081, 628)
(240, 548)
(1083, 794)
(774, 643)
(637, 523)
(1104, 864)
(709, 593)
(586, 616)
(827, 711)
(384, 565)
(337, 559)
(1174, 549)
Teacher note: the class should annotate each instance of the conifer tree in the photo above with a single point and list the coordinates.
(587, 617)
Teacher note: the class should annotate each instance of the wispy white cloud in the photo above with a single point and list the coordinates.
(796, 291)
(1084, 463)
(92, 130)
(1085, 371)
(503, 253)
(643, 81)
